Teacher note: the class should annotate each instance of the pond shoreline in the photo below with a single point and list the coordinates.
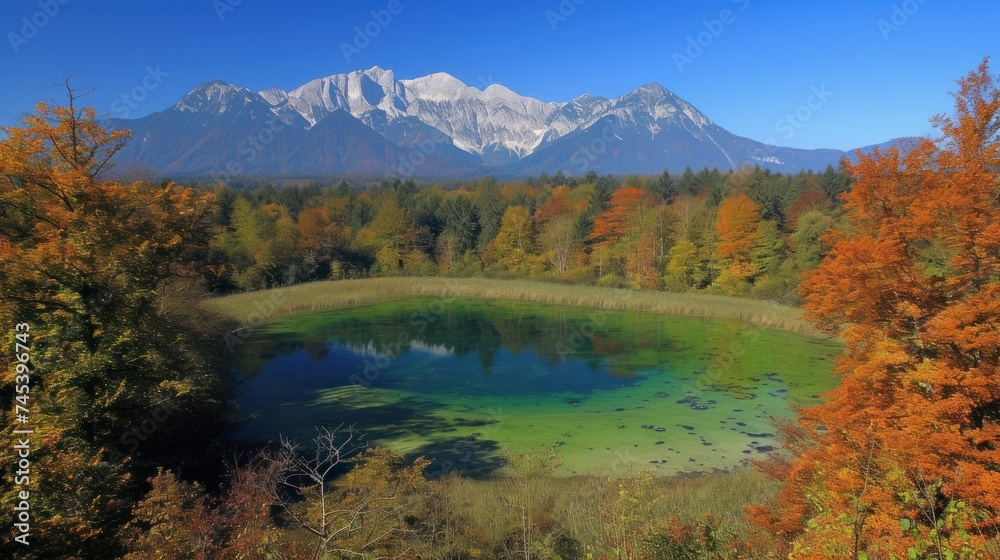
(615, 391)
(252, 308)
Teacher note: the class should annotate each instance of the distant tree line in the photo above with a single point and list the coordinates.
(749, 232)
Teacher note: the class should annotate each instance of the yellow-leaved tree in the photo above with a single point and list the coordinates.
(86, 266)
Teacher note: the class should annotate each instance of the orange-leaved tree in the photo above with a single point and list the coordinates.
(616, 230)
(904, 458)
(621, 217)
(557, 220)
(739, 227)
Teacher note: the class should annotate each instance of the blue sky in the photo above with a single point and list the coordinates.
(884, 67)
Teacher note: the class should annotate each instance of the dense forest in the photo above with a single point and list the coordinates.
(116, 371)
(749, 233)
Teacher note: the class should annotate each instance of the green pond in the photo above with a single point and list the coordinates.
(458, 380)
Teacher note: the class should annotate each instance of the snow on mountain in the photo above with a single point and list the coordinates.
(367, 121)
(274, 96)
(480, 120)
(278, 100)
(217, 96)
(495, 123)
(356, 93)
(477, 120)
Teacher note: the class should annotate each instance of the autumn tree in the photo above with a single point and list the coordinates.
(621, 217)
(179, 519)
(357, 513)
(738, 226)
(460, 228)
(810, 200)
(314, 228)
(646, 248)
(490, 206)
(557, 221)
(686, 213)
(682, 270)
(561, 242)
(512, 248)
(102, 274)
(322, 241)
(617, 228)
(398, 242)
(385, 235)
(174, 520)
(903, 458)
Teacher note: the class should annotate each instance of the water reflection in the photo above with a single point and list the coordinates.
(425, 377)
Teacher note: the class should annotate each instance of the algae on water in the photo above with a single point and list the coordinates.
(457, 380)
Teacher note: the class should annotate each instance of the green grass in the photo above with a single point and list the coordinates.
(259, 307)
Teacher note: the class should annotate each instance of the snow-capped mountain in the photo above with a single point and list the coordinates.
(480, 122)
(370, 122)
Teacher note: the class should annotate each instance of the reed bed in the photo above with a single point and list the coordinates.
(261, 306)
(585, 507)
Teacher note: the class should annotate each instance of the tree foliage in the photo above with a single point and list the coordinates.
(903, 459)
(101, 272)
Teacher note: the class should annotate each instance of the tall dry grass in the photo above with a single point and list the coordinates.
(258, 307)
(587, 509)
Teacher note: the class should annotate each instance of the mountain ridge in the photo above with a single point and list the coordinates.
(438, 126)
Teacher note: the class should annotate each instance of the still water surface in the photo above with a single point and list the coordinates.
(610, 392)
